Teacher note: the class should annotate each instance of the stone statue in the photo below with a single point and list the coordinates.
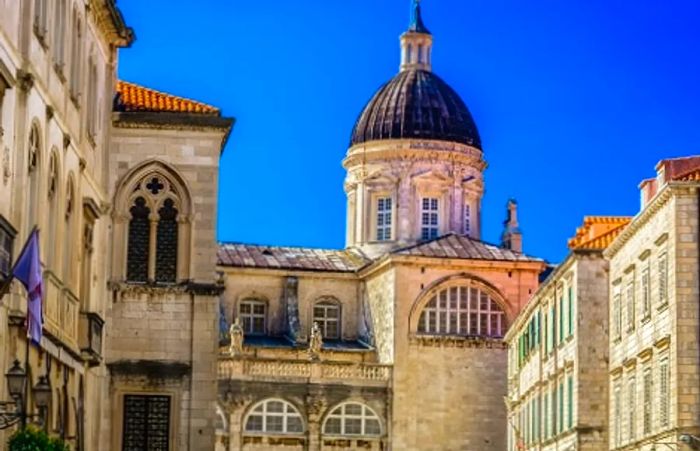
(236, 333)
(315, 342)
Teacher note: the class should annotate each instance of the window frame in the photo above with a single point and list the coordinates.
(323, 321)
(431, 206)
(367, 413)
(252, 316)
(460, 313)
(383, 231)
(289, 411)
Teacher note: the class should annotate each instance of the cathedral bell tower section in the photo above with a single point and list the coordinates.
(415, 164)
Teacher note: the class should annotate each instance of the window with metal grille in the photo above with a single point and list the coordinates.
(166, 243)
(430, 223)
(253, 314)
(647, 393)
(146, 424)
(139, 242)
(352, 419)
(384, 218)
(462, 310)
(327, 316)
(274, 416)
(664, 395)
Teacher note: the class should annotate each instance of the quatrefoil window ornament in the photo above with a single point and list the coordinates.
(155, 185)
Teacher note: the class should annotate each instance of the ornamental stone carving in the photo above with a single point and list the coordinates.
(315, 342)
(236, 333)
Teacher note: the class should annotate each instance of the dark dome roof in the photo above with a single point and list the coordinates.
(416, 104)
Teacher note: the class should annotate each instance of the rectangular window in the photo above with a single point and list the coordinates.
(146, 423)
(663, 278)
(545, 416)
(617, 311)
(664, 393)
(384, 218)
(570, 402)
(7, 240)
(430, 224)
(553, 428)
(252, 314)
(617, 412)
(545, 340)
(560, 416)
(561, 318)
(327, 316)
(467, 219)
(646, 290)
(631, 407)
(552, 323)
(647, 393)
(630, 303)
(571, 311)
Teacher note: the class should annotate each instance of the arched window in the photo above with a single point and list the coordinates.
(353, 419)
(153, 233)
(420, 53)
(253, 314)
(41, 18)
(166, 243)
(53, 216)
(33, 159)
(139, 242)
(327, 315)
(59, 38)
(409, 54)
(68, 236)
(465, 310)
(274, 416)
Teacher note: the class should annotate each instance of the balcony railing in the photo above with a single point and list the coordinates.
(310, 371)
(61, 311)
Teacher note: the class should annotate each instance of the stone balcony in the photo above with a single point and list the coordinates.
(61, 312)
(304, 371)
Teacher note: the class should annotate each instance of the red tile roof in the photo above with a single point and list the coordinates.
(131, 97)
(453, 245)
(295, 258)
(597, 232)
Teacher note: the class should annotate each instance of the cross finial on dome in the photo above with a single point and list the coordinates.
(417, 25)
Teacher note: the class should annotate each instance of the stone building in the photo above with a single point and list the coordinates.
(122, 183)
(654, 370)
(412, 313)
(56, 83)
(557, 365)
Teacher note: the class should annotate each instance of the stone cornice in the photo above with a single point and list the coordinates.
(453, 341)
(652, 207)
(110, 22)
(414, 150)
(153, 289)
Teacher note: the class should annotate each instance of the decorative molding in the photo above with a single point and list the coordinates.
(155, 289)
(630, 363)
(25, 80)
(615, 373)
(645, 355)
(439, 341)
(663, 343)
(152, 369)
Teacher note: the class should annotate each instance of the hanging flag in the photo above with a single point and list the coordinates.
(27, 270)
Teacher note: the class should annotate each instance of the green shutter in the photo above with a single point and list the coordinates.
(571, 311)
(570, 405)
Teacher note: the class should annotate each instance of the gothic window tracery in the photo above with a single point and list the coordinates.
(154, 231)
(464, 310)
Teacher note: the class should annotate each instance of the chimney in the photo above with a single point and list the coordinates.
(512, 238)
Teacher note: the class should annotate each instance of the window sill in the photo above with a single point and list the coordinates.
(662, 307)
(646, 319)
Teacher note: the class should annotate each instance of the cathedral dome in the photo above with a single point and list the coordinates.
(416, 104)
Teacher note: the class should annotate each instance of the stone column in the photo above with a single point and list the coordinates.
(315, 408)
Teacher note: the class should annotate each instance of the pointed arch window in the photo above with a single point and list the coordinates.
(68, 234)
(154, 231)
(53, 217)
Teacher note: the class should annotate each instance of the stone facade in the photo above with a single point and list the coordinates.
(654, 334)
(557, 396)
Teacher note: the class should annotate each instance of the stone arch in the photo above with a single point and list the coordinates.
(460, 279)
(154, 184)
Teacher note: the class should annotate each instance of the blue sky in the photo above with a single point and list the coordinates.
(576, 101)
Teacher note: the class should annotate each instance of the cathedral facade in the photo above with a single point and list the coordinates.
(157, 337)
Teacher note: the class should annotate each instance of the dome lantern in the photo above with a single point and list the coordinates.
(416, 43)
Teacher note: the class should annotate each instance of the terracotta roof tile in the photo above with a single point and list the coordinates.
(597, 232)
(131, 97)
(298, 258)
(453, 245)
(691, 176)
